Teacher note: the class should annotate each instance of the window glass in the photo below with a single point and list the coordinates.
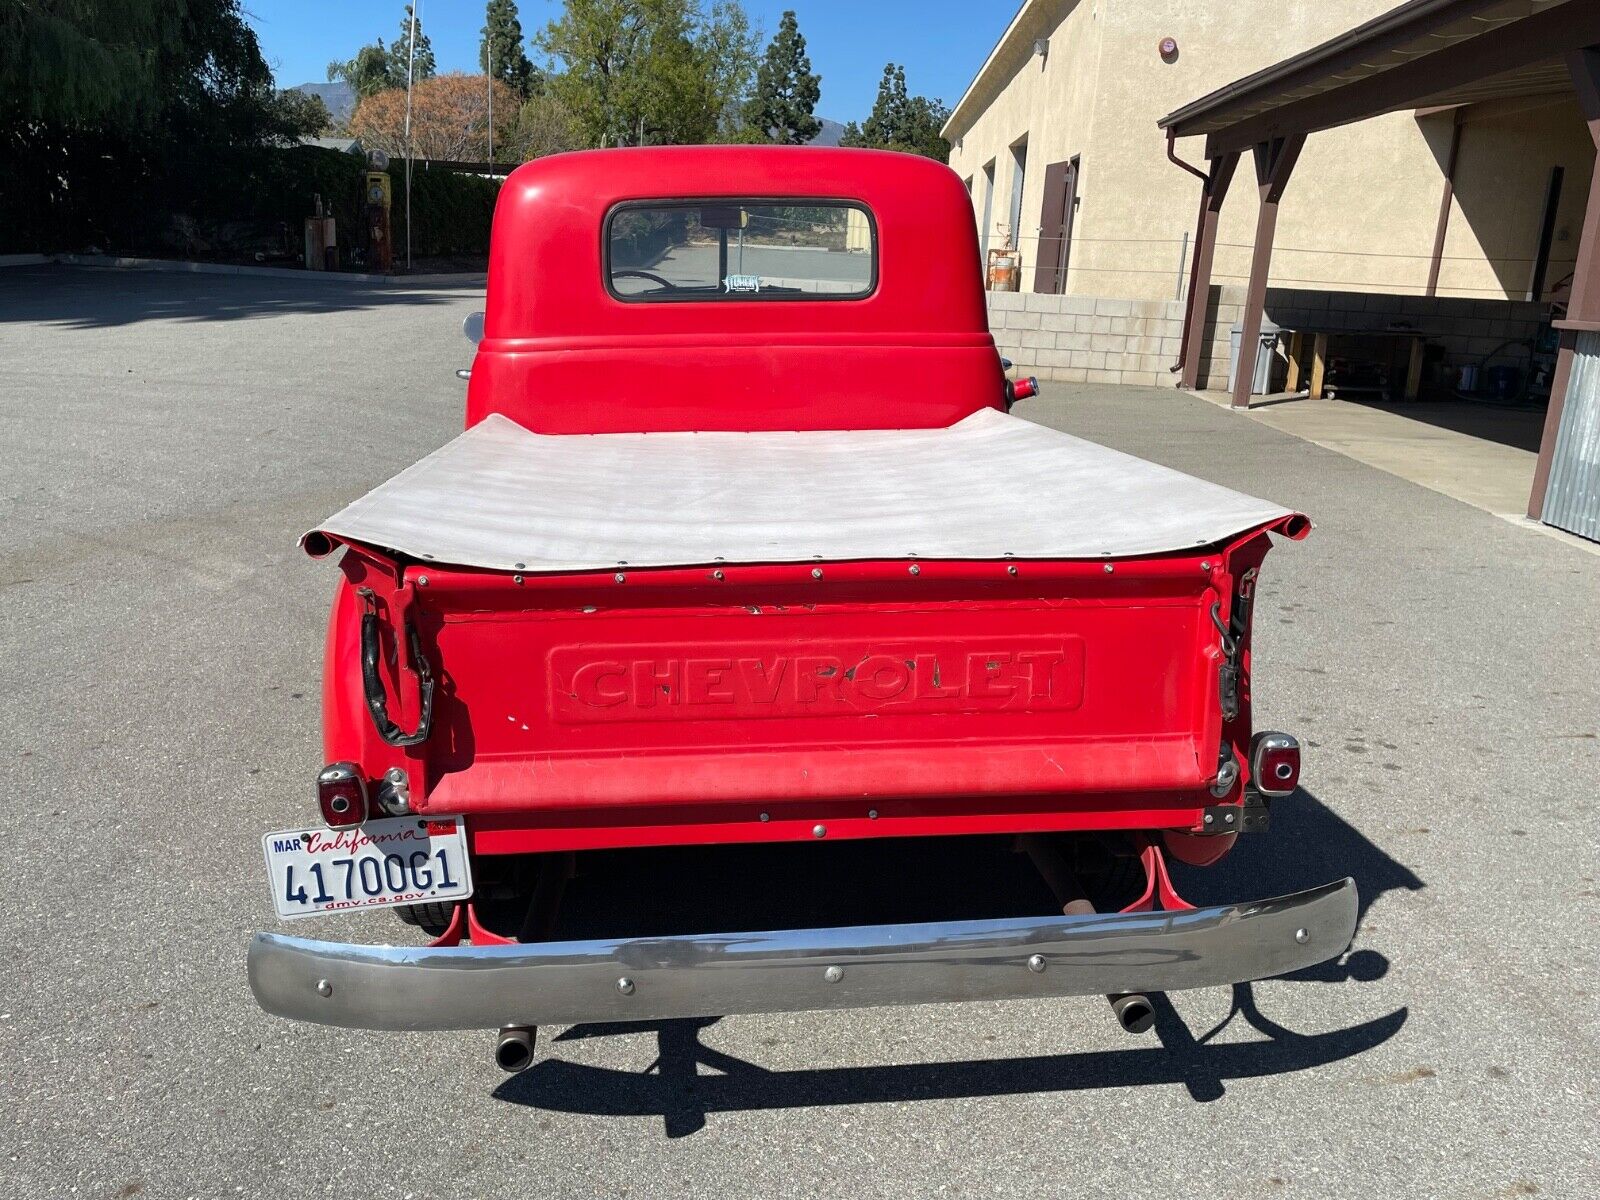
(740, 250)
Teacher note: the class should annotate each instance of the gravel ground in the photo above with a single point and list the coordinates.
(166, 437)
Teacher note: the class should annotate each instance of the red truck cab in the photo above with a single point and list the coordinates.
(742, 544)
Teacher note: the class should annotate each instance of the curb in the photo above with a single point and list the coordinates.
(116, 262)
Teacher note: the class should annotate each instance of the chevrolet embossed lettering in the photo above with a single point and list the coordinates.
(589, 683)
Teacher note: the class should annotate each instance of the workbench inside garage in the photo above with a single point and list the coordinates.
(1411, 342)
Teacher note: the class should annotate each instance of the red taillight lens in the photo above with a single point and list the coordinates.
(342, 795)
(1275, 764)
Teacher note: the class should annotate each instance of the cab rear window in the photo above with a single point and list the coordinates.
(717, 250)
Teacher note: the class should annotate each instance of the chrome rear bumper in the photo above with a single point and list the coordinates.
(567, 983)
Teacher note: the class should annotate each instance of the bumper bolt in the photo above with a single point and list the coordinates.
(1301, 936)
(1036, 963)
(833, 974)
(625, 986)
(324, 988)
(819, 831)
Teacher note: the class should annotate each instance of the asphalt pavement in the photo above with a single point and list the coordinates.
(163, 441)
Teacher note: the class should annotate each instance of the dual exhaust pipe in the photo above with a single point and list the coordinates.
(513, 1046)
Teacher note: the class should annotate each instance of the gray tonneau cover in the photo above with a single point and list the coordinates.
(989, 486)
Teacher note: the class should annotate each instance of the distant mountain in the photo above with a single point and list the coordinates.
(341, 101)
(829, 135)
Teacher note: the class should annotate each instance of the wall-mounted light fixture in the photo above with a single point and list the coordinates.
(1041, 47)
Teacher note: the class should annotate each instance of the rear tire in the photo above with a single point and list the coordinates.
(432, 918)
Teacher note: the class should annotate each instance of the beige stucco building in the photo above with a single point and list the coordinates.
(1083, 82)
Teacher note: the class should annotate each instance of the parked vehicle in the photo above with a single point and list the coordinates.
(742, 544)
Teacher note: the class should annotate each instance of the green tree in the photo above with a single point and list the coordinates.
(727, 44)
(366, 74)
(900, 121)
(502, 50)
(82, 62)
(651, 72)
(422, 66)
(301, 114)
(786, 89)
(545, 126)
(113, 111)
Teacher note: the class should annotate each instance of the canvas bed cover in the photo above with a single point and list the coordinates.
(990, 486)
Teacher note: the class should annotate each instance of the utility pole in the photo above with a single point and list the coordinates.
(489, 80)
(411, 58)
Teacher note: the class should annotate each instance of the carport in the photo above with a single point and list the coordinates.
(1426, 54)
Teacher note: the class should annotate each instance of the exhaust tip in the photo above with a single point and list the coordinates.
(1134, 1012)
(513, 1048)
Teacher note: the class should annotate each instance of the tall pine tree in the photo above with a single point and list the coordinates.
(786, 89)
(422, 65)
(900, 121)
(501, 51)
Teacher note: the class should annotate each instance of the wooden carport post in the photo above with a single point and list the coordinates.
(1583, 304)
(1205, 245)
(1274, 159)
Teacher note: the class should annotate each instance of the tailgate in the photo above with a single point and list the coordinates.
(827, 682)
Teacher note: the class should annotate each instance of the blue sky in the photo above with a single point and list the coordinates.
(941, 42)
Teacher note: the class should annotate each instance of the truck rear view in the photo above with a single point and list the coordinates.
(742, 544)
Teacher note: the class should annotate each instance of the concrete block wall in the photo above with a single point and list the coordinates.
(1088, 339)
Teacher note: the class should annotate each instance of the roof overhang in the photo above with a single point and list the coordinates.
(1014, 47)
(1423, 54)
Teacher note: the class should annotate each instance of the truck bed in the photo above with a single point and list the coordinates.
(656, 638)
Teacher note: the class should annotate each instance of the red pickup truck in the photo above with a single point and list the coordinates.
(742, 544)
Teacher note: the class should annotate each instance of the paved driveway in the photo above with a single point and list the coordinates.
(164, 438)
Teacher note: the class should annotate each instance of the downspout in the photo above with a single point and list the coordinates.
(1199, 228)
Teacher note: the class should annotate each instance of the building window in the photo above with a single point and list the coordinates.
(987, 221)
(1019, 171)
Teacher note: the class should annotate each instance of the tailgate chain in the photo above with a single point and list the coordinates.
(372, 680)
(1233, 644)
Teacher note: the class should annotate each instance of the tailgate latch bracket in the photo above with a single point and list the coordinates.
(409, 660)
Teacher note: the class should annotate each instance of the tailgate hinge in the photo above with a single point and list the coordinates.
(1249, 816)
(409, 661)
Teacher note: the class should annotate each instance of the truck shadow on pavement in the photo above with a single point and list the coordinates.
(1308, 844)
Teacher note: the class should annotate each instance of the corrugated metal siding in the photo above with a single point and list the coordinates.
(1572, 500)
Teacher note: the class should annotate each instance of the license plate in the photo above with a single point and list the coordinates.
(393, 860)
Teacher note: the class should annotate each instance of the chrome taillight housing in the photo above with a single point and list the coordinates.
(342, 795)
(1274, 763)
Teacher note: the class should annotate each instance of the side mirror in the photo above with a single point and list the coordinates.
(472, 328)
